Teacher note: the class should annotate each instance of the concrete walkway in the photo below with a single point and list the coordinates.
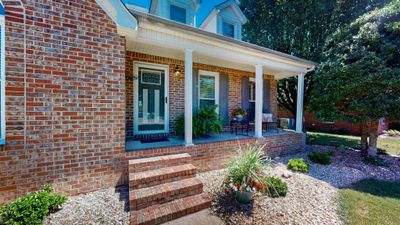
(203, 217)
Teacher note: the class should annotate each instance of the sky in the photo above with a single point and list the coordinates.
(205, 7)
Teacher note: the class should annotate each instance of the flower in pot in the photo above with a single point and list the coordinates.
(246, 173)
(238, 114)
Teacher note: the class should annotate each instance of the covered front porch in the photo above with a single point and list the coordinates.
(174, 141)
(173, 70)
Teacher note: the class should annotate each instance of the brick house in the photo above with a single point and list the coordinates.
(84, 82)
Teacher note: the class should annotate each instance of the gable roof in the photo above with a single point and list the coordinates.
(206, 7)
(212, 6)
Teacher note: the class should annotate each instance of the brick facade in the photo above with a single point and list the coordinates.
(176, 86)
(69, 104)
(214, 155)
(65, 98)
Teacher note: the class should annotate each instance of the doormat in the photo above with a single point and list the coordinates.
(153, 140)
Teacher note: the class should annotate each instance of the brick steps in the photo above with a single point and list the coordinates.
(146, 164)
(145, 197)
(159, 176)
(158, 214)
(164, 188)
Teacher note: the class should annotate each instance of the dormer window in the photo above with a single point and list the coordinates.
(177, 13)
(228, 29)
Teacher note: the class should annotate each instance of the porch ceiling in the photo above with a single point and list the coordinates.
(157, 36)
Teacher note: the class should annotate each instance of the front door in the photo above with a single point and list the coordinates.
(151, 99)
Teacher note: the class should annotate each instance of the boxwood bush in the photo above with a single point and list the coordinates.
(323, 158)
(275, 187)
(298, 165)
(32, 208)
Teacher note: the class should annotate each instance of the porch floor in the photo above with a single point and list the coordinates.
(136, 145)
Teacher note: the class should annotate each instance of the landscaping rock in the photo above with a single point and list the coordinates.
(287, 174)
(312, 197)
(109, 206)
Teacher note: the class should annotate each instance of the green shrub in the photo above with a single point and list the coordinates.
(32, 208)
(320, 157)
(298, 165)
(205, 121)
(376, 161)
(275, 187)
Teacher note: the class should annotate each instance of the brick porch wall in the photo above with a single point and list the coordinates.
(214, 155)
(176, 86)
(65, 98)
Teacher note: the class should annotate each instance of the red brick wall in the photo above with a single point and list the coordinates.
(313, 123)
(176, 87)
(214, 155)
(65, 103)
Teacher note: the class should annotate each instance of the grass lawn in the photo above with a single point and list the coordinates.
(392, 146)
(371, 202)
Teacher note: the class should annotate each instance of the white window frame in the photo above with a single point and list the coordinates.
(233, 24)
(2, 82)
(252, 80)
(184, 6)
(216, 94)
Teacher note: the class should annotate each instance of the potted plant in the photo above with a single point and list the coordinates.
(246, 173)
(238, 114)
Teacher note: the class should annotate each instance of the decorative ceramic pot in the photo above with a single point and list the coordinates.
(244, 197)
(239, 117)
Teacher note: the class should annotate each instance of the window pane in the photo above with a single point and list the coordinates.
(207, 87)
(228, 29)
(177, 13)
(206, 103)
(252, 91)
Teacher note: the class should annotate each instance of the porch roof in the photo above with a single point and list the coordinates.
(209, 47)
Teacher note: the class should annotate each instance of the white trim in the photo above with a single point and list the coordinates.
(188, 97)
(216, 91)
(299, 107)
(259, 101)
(165, 68)
(2, 82)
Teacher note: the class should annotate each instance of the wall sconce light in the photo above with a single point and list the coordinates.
(177, 71)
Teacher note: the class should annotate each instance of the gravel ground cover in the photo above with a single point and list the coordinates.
(312, 197)
(108, 206)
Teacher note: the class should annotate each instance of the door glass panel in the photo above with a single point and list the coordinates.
(151, 100)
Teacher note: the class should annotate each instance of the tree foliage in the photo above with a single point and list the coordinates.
(298, 28)
(359, 78)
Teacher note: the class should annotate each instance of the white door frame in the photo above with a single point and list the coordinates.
(165, 68)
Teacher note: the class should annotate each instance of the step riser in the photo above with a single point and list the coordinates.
(162, 176)
(133, 185)
(160, 198)
(158, 215)
(154, 163)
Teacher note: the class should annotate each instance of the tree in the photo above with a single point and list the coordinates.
(359, 79)
(298, 28)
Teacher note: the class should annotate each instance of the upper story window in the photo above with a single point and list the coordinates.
(177, 13)
(228, 29)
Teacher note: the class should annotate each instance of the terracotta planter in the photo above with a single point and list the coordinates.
(244, 197)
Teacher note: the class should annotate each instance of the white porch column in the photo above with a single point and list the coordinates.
(188, 96)
(300, 99)
(259, 101)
